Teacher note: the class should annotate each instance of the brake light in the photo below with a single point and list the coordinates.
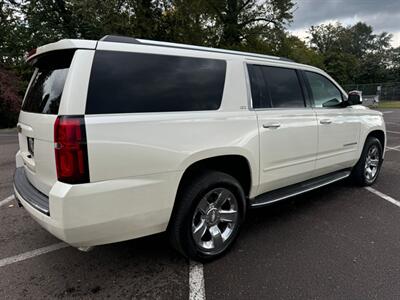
(71, 149)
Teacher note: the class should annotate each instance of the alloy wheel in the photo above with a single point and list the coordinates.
(214, 220)
(372, 163)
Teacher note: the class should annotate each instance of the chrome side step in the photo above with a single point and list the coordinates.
(298, 188)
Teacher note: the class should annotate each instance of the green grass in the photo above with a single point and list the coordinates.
(389, 104)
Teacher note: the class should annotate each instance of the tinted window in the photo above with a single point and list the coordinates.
(259, 93)
(284, 87)
(47, 85)
(123, 82)
(324, 92)
(45, 92)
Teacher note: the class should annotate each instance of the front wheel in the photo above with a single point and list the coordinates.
(208, 216)
(368, 167)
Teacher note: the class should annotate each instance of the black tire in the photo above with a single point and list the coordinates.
(187, 206)
(359, 175)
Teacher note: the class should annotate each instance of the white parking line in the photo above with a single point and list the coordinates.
(196, 281)
(7, 200)
(383, 196)
(20, 257)
(395, 148)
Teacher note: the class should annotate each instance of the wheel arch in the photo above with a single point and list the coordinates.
(236, 165)
(380, 135)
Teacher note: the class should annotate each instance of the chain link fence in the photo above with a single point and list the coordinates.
(385, 91)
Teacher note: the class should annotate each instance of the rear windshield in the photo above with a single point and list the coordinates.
(123, 82)
(44, 94)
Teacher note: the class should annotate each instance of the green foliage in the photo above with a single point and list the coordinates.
(237, 21)
(354, 53)
(395, 59)
(294, 48)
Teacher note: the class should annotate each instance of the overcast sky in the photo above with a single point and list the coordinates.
(383, 15)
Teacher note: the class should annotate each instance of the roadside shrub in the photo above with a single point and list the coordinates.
(10, 97)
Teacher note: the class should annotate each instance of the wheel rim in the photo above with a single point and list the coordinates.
(214, 220)
(372, 163)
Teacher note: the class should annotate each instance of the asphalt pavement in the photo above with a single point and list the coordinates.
(337, 242)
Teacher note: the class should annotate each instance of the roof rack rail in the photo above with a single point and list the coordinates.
(131, 40)
(119, 39)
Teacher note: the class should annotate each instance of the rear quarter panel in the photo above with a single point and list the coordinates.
(130, 145)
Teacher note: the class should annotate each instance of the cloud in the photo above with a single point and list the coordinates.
(396, 39)
(383, 15)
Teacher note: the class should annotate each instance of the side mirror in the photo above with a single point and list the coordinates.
(354, 98)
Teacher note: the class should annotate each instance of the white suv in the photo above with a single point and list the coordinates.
(122, 138)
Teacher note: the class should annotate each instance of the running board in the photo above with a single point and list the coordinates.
(298, 188)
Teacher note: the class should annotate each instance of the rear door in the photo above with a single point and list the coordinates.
(338, 125)
(287, 126)
(38, 115)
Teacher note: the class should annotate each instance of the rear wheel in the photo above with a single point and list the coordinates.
(208, 216)
(368, 167)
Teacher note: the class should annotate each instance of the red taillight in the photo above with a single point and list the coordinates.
(71, 149)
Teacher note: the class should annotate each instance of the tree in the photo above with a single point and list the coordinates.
(395, 58)
(297, 50)
(10, 97)
(187, 21)
(136, 18)
(147, 19)
(12, 34)
(47, 20)
(326, 38)
(353, 53)
(236, 20)
(358, 39)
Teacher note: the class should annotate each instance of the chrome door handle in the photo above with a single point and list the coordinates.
(272, 126)
(325, 121)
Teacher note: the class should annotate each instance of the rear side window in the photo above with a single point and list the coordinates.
(259, 94)
(45, 91)
(284, 87)
(275, 87)
(123, 82)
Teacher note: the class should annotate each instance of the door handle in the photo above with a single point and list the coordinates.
(272, 126)
(325, 121)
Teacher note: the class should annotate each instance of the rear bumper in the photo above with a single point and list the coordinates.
(29, 193)
(98, 213)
